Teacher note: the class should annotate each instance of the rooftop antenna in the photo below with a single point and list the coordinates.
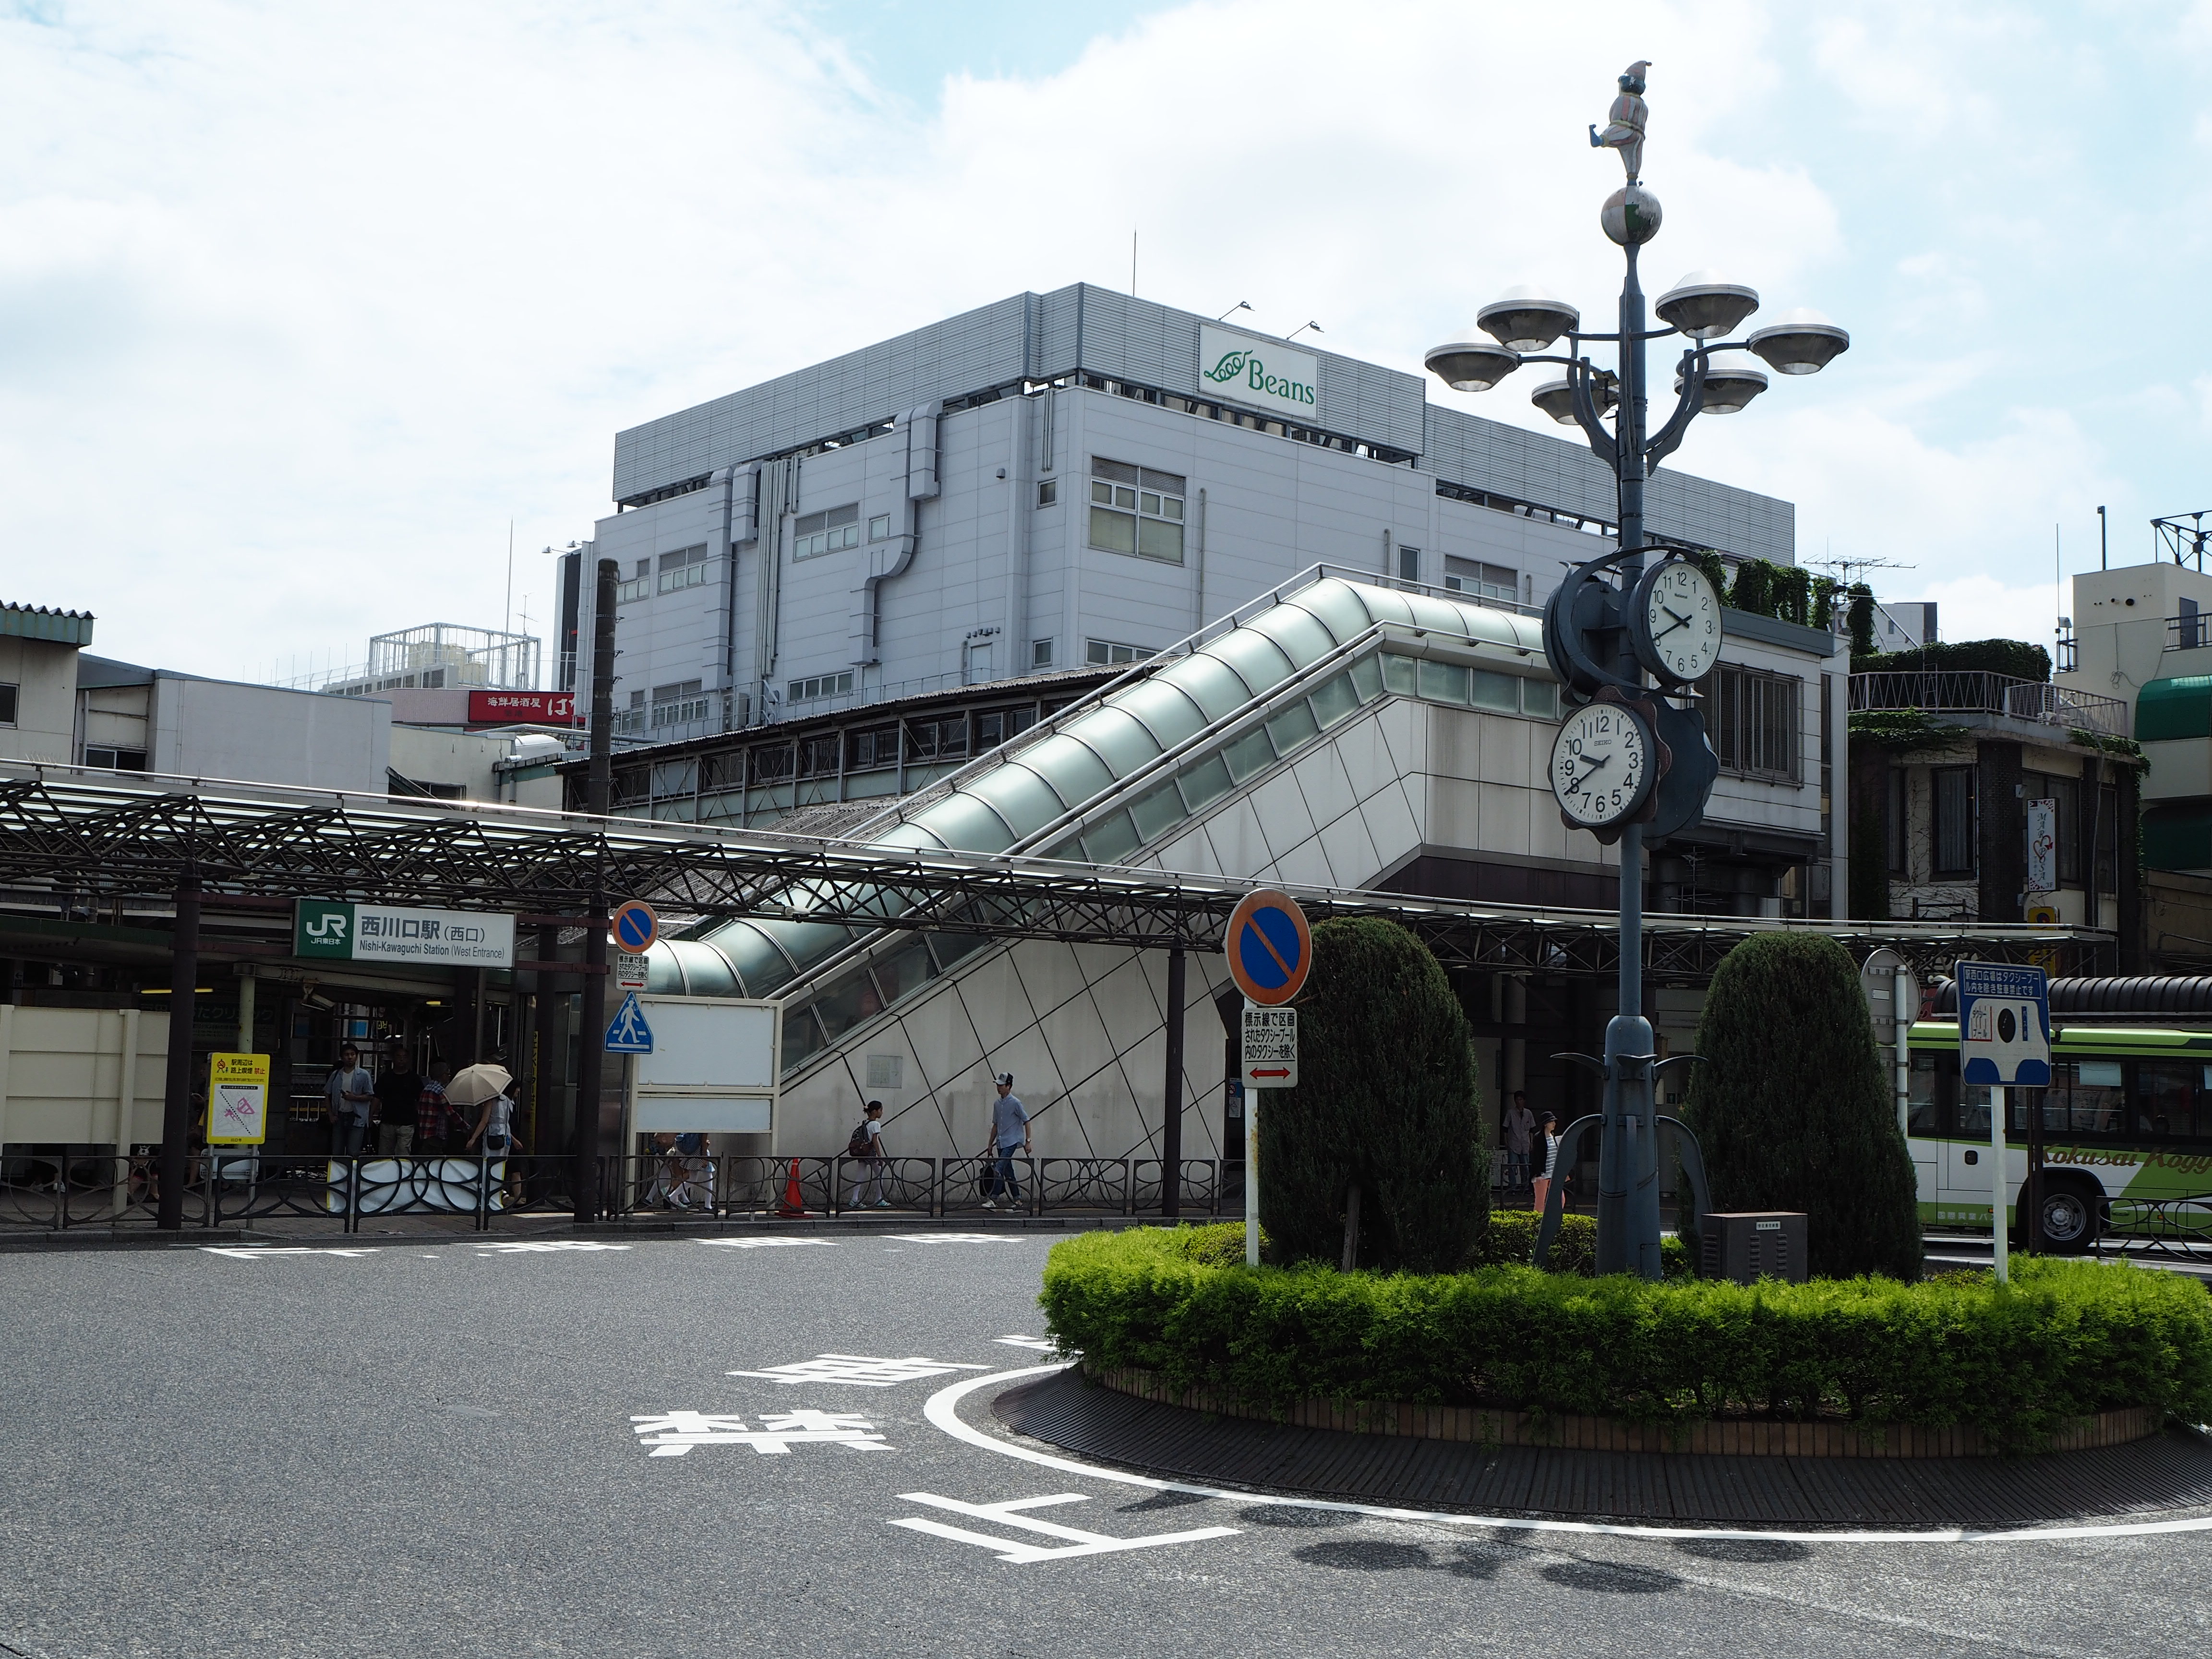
(1844, 568)
(1301, 329)
(1241, 304)
(2104, 548)
(1132, 262)
(2183, 540)
(506, 622)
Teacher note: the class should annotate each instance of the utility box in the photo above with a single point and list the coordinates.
(1753, 1244)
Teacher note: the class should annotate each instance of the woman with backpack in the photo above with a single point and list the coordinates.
(1547, 1148)
(865, 1148)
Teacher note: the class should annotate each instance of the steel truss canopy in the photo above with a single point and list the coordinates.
(65, 835)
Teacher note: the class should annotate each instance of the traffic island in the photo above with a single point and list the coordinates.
(1504, 1368)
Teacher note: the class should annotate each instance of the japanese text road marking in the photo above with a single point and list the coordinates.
(671, 1434)
(956, 1238)
(522, 1246)
(1008, 1513)
(766, 1243)
(250, 1252)
(859, 1369)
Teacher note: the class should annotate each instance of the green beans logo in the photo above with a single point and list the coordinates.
(1231, 366)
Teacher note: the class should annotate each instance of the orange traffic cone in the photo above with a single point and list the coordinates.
(794, 1202)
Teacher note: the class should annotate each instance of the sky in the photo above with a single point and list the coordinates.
(301, 305)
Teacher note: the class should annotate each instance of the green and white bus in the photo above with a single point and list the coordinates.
(2126, 1124)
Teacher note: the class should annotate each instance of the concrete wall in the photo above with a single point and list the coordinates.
(264, 734)
(82, 1076)
(45, 676)
(461, 759)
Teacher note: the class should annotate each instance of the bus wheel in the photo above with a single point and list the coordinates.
(2069, 1220)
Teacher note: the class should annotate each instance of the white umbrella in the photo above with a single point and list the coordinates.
(472, 1085)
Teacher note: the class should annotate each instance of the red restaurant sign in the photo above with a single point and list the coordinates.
(512, 707)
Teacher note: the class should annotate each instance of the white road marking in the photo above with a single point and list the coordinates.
(859, 1369)
(252, 1252)
(956, 1238)
(519, 1247)
(1042, 1344)
(766, 1243)
(671, 1434)
(1008, 1514)
(944, 1410)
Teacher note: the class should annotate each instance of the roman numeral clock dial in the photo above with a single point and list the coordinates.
(1602, 768)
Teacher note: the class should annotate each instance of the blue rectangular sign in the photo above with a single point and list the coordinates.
(2004, 1025)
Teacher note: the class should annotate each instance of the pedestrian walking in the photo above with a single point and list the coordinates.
(865, 1148)
(348, 1095)
(1010, 1130)
(1548, 1139)
(494, 1127)
(434, 1117)
(398, 1105)
(1520, 1124)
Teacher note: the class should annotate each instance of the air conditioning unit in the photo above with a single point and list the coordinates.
(1753, 1244)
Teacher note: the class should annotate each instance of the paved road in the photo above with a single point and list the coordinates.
(432, 1449)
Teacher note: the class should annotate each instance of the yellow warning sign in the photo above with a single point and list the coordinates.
(238, 1100)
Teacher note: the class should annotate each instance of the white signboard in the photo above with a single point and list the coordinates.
(446, 939)
(1270, 1048)
(2004, 1025)
(630, 971)
(2043, 847)
(713, 1069)
(1241, 368)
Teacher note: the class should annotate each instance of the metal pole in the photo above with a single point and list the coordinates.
(1171, 1130)
(600, 783)
(2000, 1246)
(1252, 1097)
(1900, 988)
(177, 1103)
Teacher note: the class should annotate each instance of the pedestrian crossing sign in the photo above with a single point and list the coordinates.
(628, 1033)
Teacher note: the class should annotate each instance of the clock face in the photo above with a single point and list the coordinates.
(1678, 622)
(1601, 765)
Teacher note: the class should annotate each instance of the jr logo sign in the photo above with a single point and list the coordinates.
(1259, 372)
(321, 929)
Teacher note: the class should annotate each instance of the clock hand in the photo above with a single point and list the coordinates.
(1680, 621)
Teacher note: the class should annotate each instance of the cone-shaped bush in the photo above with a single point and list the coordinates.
(1386, 1099)
(1792, 1110)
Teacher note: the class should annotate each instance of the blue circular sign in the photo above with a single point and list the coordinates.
(1269, 948)
(635, 927)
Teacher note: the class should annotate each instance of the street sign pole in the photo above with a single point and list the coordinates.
(1252, 1099)
(2004, 1042)
(2000, 1245)
(1270, 951)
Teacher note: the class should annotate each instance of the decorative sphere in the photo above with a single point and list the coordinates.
(1631, 215)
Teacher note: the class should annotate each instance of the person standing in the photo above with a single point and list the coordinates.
(1010, 1132)
(1547, 1164)
(1520, 1123)
(398, 1105)
(433, 1116)
(492, 1127)
(347, 1094)
(865, 1148)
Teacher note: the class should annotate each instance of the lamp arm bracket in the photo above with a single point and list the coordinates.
(1669, 436)
(1674, 1059)
(1589, 1062)
(1603, 445)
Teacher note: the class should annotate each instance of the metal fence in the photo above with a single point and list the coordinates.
(1973, 691)
(61, 1191)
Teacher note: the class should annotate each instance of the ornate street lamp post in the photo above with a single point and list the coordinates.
(1628, 761)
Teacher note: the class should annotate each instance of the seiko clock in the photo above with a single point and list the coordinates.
(1675, 621)
(1604, 763)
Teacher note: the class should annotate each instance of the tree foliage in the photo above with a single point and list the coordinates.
(1792, 1111)
(2015, 659)
(1386, 1100)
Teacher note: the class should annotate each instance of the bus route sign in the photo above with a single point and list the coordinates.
(2004, 1025)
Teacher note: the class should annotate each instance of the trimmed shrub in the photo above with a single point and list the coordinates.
(1386, 1099)
(1509, 1241)
(1792, 1109)
(2069, 1339)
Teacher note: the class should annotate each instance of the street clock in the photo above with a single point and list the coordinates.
(1675, 621)
(1605, 763)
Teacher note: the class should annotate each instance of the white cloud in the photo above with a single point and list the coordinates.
(298, 305)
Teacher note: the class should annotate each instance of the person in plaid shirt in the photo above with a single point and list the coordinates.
(434, 1115)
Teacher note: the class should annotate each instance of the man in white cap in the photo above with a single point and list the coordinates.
(1010, 1130)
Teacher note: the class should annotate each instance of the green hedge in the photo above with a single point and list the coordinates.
(1509, 1239)
(2015, 658)
(2067, 1340)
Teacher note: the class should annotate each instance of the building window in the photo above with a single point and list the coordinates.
(1409, 563)
(680, 704)
(1136, 510)
(879, 527)
(1952, 789)
(1040, 653)
(685, 569)
(1484, 582)
(1102, 652)
(632, 718)
(815, 687)
(829, 531)
(1048, 492)
(636, 587)
(8, 694)
(869, 750)
(1895, 821)
(1755, 722)
(115, 760)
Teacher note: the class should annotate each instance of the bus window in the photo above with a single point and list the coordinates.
(2020, 1104)
(2165, 1097)
(1922, 1113)
(2096, 1097)
(1974, 1110)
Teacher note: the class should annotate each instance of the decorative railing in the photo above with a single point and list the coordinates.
(1973, 691)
